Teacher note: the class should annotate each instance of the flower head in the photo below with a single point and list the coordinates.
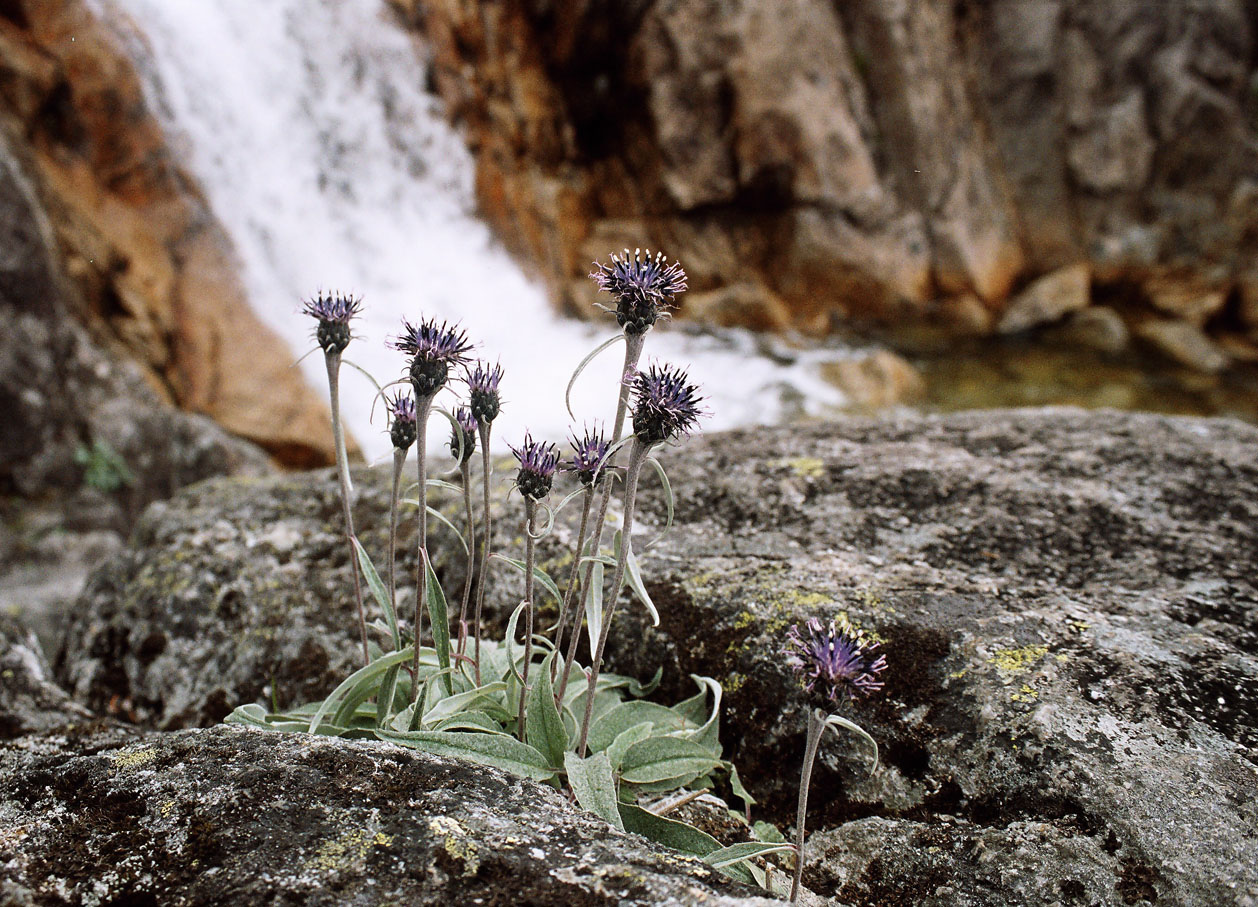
(838, 657)
(433, 346)
(665, 404)
(482, 387)
(402, 428)
(642, 285)
(463, 438)
(588, 454)
(333, 312)
(538, 462)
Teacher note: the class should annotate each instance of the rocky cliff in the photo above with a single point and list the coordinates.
(815, 163)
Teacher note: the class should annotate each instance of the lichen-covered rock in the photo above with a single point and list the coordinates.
(30, 703)
(235, 816)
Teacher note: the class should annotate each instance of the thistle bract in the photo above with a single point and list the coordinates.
(482, 387)
(588, 454)
(433, 346)
(402, 428)
(538, 462)
(463, 438)
(835, 659)
(333, 312)
(642, 285)
(665, 404)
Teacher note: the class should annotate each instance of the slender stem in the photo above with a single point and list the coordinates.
(483, 579)
(637, 456)
(333, 361)
(423, 407)
(399, 463)
(465, 470)
(816, 726)
(530, 546)
(588, 500)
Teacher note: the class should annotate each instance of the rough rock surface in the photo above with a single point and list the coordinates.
(150, 268)
(847, 159)
(30, 702)
(234, 816)
(1067, 601)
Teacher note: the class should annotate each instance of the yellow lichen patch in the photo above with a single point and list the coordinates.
(1011, 662)
(1026, 694)
(124, 761)
(1081, 625)
(349, 849)
(957, 675)
(804, 467)
(456, 844)
(744, 620)
(734, 682)
(166, 808)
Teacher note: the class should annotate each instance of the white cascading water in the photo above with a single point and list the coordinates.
(309, 129)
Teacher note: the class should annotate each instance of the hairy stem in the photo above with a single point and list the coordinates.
(465, 470)
(573, 576)
(637, 456)
(530, 546)
(423, 406)
(486, 468)
(399, 463)
(816, 727)
(333, 361)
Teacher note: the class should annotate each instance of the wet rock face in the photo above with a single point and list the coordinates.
(247, 817)
(1066, 602)
(863, 158)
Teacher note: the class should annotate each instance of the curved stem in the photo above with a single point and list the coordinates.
(333, 361)
(530, 550)
(486, 470)
(816, 727)
(573, 574)
(423, 406)
(399, 463)
(465, 470)
(637, 456)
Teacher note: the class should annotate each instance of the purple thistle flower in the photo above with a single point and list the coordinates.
(482, 386)
(466, 429)
(665, 404)
(642, 285)
(433, 346)
(333, 312)
(839, 657)
(588, 455)
(402, 429)
(538, 462)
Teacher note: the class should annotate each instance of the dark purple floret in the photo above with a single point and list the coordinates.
(835, 660)
(642, 285)
(588, 454)
(402, 428)
(538, 462)
(433, 346)
(467, 432)
(333, 312)
(482, 387)
(665, 404)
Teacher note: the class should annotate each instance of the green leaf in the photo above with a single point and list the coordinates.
(638, 690)
(668, 503)
(835, 721)
(738, 853)
(379, 592)
(251, 715)
(385, 698)
(736, 785)
(626, 715)
(471, 721)
(567, 394)
(669, 832)
(768, 832)
(625, 739)
(544, 728)
(450, 706)
(440, 619)
(594, 606)
(595, 788)
(497, 750)
(707, 734)
(376, 668)
(539, 575)
(675, 760)
(509, 642)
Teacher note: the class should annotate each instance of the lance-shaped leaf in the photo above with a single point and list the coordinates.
(595, 788)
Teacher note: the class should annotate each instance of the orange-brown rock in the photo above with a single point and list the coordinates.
(863, 158)
(155, 271)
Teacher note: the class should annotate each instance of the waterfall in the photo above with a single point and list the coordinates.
(309, 128)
